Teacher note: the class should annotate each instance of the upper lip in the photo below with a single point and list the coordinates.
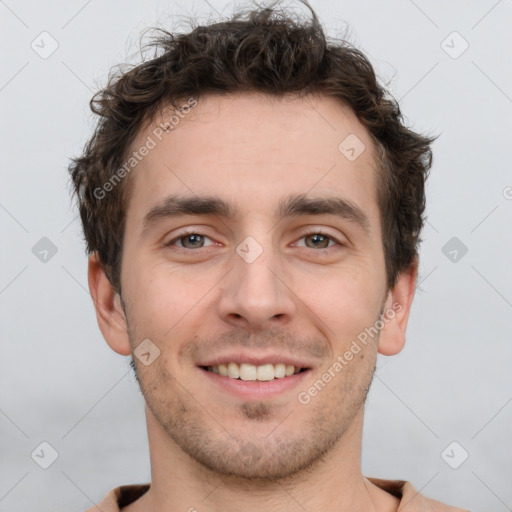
(255, 359)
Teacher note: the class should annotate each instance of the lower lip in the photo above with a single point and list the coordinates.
(255, 389)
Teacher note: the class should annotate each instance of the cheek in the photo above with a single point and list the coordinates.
(165, 300)
(347, 304)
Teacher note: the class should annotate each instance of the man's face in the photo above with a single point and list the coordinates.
(275, 282)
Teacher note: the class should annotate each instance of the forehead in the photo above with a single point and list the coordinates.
(253, 149)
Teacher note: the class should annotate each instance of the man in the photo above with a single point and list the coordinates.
(252, 203)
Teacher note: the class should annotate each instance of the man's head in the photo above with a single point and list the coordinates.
(262, 53)
(275, 220)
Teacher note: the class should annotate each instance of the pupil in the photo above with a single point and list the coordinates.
(193, 240)
(319, 240)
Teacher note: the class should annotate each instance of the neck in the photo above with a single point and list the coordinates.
(334, 483)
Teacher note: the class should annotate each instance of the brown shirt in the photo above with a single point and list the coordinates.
(410, 500)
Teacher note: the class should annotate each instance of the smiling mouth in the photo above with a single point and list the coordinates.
(250, 372)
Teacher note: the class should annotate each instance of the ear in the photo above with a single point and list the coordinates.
(396, 311)
(109, 312)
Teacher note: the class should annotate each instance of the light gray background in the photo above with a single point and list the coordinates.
(62, 384)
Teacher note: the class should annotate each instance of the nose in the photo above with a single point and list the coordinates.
(255, 295)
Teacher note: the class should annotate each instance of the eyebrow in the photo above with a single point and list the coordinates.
(293, 205)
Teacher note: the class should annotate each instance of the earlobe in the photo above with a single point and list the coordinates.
(396, 312)
(109, 311)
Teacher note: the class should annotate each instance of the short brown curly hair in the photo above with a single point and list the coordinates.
(263, 50)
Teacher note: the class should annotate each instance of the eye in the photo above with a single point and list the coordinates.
(190, 241)
(318, 240)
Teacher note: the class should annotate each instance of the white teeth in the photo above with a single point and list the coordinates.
(247, 371)
(279, 371)
(234, 371)
(265, 372)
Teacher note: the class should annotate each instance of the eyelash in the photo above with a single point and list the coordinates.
(305, 235)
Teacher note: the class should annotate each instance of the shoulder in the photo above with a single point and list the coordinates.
(415, 501)
(120, 497)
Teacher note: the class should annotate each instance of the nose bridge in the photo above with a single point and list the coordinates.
(255, 293)
(256, 280)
